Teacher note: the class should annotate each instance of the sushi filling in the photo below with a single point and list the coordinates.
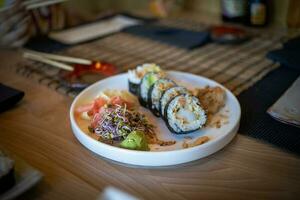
(135, 76)
(148, 80)
(184, 114)
(168, 95)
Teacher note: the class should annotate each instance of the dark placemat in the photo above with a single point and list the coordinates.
(255, 101)
(288, 55)
(181, 38)
(45, 44)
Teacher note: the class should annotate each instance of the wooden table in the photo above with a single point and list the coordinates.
(38, 130)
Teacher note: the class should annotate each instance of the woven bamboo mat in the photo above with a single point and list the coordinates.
(237, 67)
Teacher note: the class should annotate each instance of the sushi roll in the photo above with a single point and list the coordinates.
(184, 114)
(135, 76)
(168, 95)
(147, 81)
(7, 175)
(155, 93)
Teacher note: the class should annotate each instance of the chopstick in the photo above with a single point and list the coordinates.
(60, 58)
(42, 59)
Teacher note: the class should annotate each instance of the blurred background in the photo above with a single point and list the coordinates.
(281, 11)
(21, 20)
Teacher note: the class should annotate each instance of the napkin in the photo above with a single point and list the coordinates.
(287, 107)
(9, 97)
(177, 37)
(93, 30)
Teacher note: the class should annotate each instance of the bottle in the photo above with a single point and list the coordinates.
(234, 10)
(257, 12)
(293, 14)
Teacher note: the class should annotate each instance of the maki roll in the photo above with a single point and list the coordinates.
(184, 114)
(135, 76)
(155, 93)
(147, 81)
(168, 95)
(7, 175)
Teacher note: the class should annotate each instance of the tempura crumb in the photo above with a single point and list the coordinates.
(198, 141)
(211, 98)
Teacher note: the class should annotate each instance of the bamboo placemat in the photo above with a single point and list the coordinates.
(235, 66)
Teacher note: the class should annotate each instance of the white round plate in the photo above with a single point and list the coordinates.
(159, 156)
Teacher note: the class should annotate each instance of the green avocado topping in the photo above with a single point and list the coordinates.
(152, 79)
(136, 140)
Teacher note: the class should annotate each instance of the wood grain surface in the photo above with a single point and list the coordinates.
(38, 130)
